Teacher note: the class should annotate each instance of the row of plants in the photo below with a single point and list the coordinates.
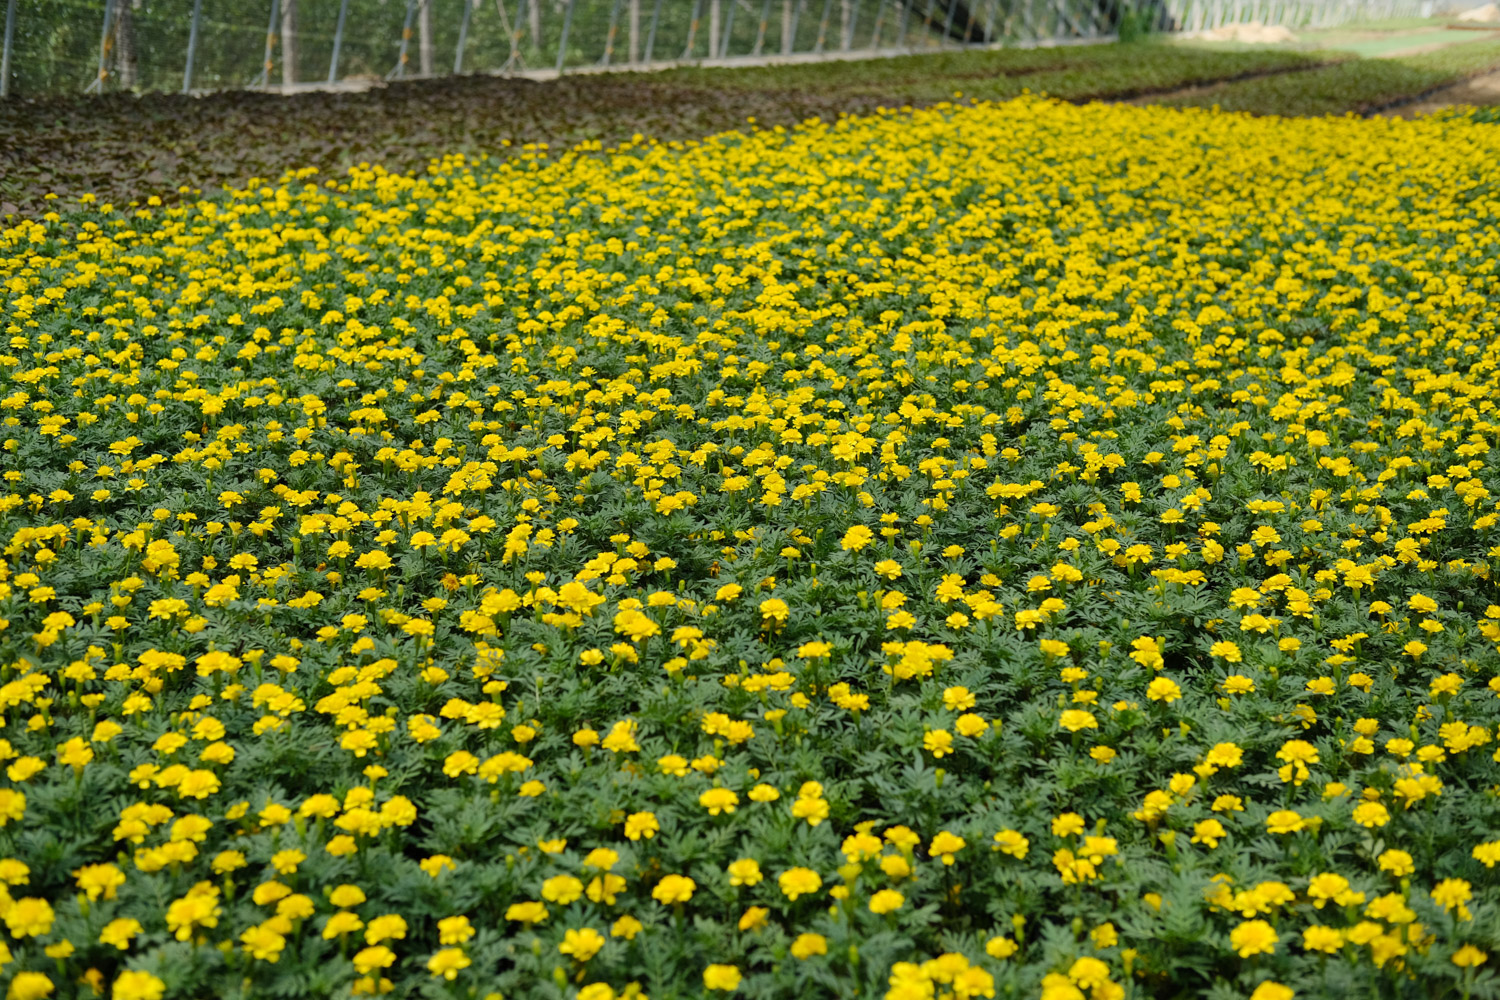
(1360, 86)
(125, 148)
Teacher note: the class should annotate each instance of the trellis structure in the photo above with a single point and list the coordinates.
(58, 46)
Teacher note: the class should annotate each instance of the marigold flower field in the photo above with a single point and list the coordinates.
(995, 550)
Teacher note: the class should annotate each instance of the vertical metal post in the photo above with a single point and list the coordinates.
(905, 14)
(969, 25)
(847, 42)
(968, 38)
(765, 20)
(338, 41)
(609, 39)
(692, 29)
(187, 69)
(400, 70)
(728, 30)
(514, 59)
(879, 19)
(10, 40)
(791, 45)
(463, 37)
(651, 32)
(948, 22)
(562, 44)
(98, 82)
(265, 64)
(823, 25)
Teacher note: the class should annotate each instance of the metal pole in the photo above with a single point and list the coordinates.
(796, 16)
(463, 36)
(651, 32)
(338, 41)
(760, 36)
(10, 38)
(692, 29)
(823, 25)
(98, 84)
(848, 40)
(728, 28)
(875, 31)
(991, 15)
(187, 69)
(400, 69)
(514, 59)
(609, 40)
(969, 27)
(265, 65)
(905, 14)
(562, 44)
(948, 22)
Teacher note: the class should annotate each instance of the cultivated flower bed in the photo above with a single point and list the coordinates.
(1010, 550)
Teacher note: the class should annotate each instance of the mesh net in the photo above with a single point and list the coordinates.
(60, 46)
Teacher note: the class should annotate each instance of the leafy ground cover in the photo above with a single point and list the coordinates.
(125, 149)
(1358, 85)
(1002, 550)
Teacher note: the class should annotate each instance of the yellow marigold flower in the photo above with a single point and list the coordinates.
(641, 824)
(368, 960)
(718, 800)
(119, 932)
(1396, 862)
(721, 977)
(807, 945)
(1088, 972)
(1209, 832)
(1253, 937)
(945, 845)
(582, 944)
(774, 610)
(29, 986)
(1324, 939)
(134, 985)
(745, 872)
(1270, 990)
(856, 538)
(1075, 719)
(529, 912)
(796, 882)
(1285, 821)
(674, 889)
(1371, 815)
(1469, 956)
(1163, 689)
(1013, 843)
(447, 963)
(562, 889)
(98, 881)
(938, 742)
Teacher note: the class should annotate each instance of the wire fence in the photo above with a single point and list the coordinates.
(66, 46)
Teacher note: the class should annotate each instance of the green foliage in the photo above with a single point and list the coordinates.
(1359, 86)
